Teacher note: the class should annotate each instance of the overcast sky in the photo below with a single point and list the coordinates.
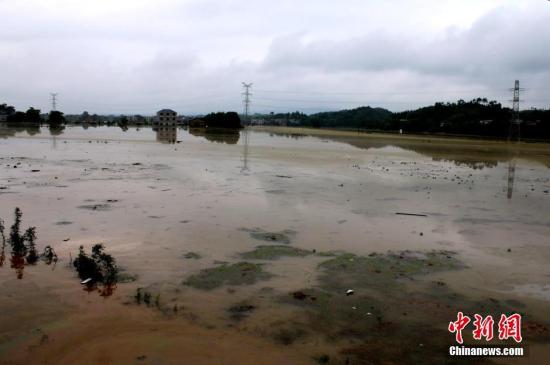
(138, 56)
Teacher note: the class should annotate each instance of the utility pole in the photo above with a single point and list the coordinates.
(54, 101)
(246, 100)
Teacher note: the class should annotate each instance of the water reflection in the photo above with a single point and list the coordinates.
(9, 129)
(56, 130)
(166, 134)
(18, 264)
(511, 176)
(467, 154)
(2, 254)
(246, 138)
(513, 153)
(474, 164)
(470, 153)
(217, 135)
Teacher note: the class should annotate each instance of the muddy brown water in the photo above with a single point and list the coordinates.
(217, 195)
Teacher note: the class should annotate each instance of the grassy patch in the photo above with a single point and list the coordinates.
(241, 273)
(391, 317)
(382, 271)
(274, 252)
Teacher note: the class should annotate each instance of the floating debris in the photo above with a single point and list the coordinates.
(192, 255)
(412, 214)
(99, 207)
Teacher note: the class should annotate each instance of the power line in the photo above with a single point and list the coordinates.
(415, 92)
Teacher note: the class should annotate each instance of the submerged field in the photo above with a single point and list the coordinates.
(246, 245)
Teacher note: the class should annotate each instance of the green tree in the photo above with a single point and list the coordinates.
(16, 119)
(7, 109)
(56, 118)
(222, 120)
(32, 116)
(56, 122)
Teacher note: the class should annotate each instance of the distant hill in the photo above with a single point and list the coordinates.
(363, 117)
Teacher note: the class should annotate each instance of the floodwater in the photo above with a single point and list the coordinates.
(170, 203)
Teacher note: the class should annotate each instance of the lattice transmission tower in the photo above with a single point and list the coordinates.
(246, 101)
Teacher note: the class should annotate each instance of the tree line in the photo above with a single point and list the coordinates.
(32, 117)
(478, 117)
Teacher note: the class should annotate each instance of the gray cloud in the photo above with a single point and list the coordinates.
(137, 56)
(504, 40)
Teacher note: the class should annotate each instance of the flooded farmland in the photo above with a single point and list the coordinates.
(271, 245)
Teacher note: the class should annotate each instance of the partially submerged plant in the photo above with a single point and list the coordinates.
(138, 296)
(142, 295)
(100, 266)
(106, 264)
(23, 246)
(3, 247)
(16, 240)
(49, 255)
(147, 298)
(2, 235)
(30, 238)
